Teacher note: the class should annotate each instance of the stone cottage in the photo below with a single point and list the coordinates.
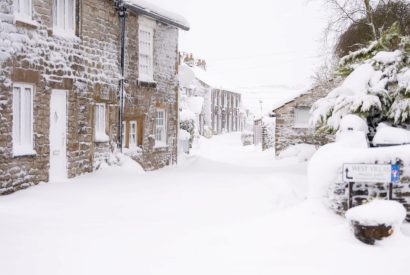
(292, 120)
(150, 122)
(59, 78)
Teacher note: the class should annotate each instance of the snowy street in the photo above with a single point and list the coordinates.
(226, 209)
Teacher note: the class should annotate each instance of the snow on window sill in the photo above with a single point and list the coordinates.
(21, 18)
(160, 145)
(148, 80)
(23, 151)
(66, 34)
(301, 126)
(101, 137)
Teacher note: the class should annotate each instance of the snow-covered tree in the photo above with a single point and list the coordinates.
(377, 85)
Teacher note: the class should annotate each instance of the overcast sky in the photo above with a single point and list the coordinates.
(253, 43)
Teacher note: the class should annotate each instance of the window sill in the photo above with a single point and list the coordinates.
(24, 152)
(161, 146)
(147, 81)
(64, 34)
(18, 18)
(301, 126)
(101, 138)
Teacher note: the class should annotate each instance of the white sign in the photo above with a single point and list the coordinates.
(367, 173)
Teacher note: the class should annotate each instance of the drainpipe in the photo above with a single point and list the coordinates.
(122, 14)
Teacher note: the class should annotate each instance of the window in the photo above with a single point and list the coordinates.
(22, 9)
(64, 16)
(23, 120)
(302, 115)
(100, 135)
(160, 128)
(133, 134)
(146, 49)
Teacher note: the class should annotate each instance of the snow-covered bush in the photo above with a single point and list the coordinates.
(376, 88)
(268, 132)
(208, 132)
(353, 132)
(303, 152)
(247, 138)
(187, 123)
(184, 140)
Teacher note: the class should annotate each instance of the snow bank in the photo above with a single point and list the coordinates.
(378, 212)
(303, 152)
(390, 135)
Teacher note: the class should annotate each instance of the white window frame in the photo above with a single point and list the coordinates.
(160, 132)
(299, 121)
(133, 135)
(64, 26)
(146, 25)
(123, 131)
(19, 7)
(100, 126)
(23, 138)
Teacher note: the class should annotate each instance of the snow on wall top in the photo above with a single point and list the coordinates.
(159, 13)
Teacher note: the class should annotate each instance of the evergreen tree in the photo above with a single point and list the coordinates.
(377, 85)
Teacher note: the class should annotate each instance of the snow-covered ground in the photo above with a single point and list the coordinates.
(225, 210)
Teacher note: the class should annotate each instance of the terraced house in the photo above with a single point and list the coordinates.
(63, 80)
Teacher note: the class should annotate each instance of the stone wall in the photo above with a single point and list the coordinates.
(286, 132)
(143, 99)
(363, 192)
(85, 65)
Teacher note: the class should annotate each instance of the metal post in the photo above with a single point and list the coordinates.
(122, 13)
(350, 200)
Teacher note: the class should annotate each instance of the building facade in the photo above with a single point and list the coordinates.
(226, 111)
(151, 92)
(59, 79)
(292, 121)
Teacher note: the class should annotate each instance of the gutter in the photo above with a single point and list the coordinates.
(122, 14)
(156, 16)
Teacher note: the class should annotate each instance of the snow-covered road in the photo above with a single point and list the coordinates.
(226, 210)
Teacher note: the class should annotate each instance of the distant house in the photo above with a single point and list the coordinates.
(292, 120)
(222, 109)
(59, 87)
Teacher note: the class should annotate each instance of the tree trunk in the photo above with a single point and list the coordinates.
(369, 14)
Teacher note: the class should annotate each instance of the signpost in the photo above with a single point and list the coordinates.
(371, 173)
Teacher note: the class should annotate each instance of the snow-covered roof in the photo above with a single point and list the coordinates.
(289, 98)
(160, 14)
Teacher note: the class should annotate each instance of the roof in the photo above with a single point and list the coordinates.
(148, 9)
(288, 99)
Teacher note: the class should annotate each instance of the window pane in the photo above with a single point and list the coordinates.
(70, 15)
(60, 14)
(26, 115)
(16, 115)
